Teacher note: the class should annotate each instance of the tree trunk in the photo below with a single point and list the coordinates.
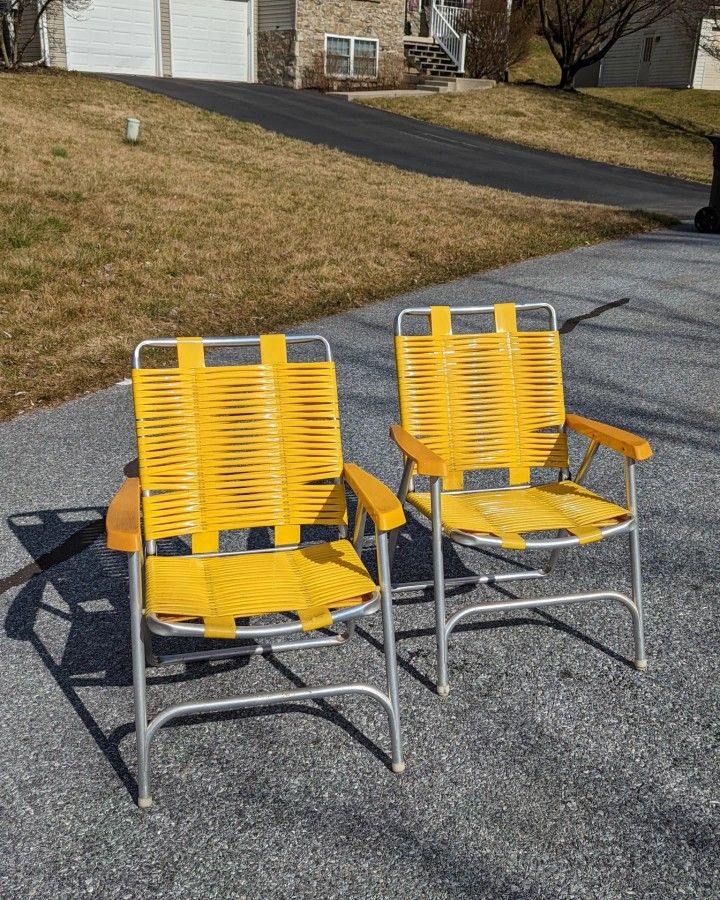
(5, 42)
(567, 75)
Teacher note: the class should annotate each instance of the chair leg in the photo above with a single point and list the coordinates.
(151, 658)
(139, 685)
(402, 493)
(398, 763)
(443, 687)
(638, 622)
(635, 571)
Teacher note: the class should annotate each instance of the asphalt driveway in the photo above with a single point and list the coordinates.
(553, 770)
(430, 149)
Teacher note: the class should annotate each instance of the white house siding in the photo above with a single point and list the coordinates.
(619, 67)
(276, 15)
(33, 51)
(707, 69)
(672, 58)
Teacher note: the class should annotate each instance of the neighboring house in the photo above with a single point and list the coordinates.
(34, 48)
(662, 55)
(279, 42)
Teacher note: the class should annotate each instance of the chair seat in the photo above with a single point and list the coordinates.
(309, 581)
(508, 514)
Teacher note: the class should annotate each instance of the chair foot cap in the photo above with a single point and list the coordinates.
(144, 802)
(443, 690)
(398, 768)
(641, 665)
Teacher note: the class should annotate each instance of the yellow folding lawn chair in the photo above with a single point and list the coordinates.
(223, 448)
(494, 400)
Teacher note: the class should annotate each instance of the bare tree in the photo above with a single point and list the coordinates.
(20, 22)
(496, 39)
(701, 21)
(580, 32)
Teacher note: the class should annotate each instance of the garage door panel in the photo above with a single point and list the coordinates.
(112, 36)
(210, 41)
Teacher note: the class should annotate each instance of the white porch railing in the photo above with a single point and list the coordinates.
(444, 22)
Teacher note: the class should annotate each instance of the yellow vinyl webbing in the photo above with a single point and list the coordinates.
(505, 317)
(219, 589)
(441, 326)
(273, 351)
(228, 447)
(191, 355)
(506, 321)
(562, 505)
(484, 401)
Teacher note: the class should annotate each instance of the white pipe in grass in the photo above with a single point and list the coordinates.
(132, 130)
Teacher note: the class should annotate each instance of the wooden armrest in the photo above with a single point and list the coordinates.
(624, 442)
(427, 461)
(381, 504)
(122, 522)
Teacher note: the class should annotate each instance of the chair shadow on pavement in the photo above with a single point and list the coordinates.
(416, 543)
(72, 608)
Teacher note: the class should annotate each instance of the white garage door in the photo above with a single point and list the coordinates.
(210, 39)
(112, 36)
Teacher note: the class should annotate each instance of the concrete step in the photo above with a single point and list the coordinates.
(394, 92)
(439, 79)
(454, 85)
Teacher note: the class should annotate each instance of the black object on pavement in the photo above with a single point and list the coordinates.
(707, 219)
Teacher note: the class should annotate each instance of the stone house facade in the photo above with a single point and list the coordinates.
(325, 44)
(308, 43)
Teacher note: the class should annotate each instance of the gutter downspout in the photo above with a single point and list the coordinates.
(252, 43)
(158, 39)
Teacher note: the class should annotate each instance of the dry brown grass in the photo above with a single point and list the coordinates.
(538, 66)
(697, 111)
(211, 226)
(574, 123)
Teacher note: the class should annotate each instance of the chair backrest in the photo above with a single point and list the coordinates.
(233, 447)
(492, 400)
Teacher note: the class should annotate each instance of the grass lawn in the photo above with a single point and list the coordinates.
(539, 66)
(658, 130)
(210, 226)
(695, 110)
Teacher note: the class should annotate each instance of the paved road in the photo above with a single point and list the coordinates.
(420, 147)
(552, 771)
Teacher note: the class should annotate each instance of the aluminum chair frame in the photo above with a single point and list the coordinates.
(445, 626)
(125, 533)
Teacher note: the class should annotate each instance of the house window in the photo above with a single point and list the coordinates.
(647, 49)
(351, 56)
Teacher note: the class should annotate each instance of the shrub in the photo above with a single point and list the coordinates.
(495, 42)
(324, 74)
